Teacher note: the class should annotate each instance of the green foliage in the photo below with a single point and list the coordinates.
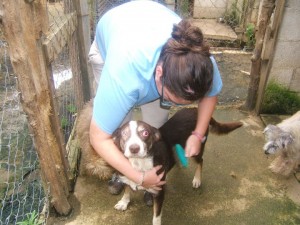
(32, 219)
(280, 100)
(64, 122)
(71, 108)
(231, 16)
(250, 34)
(183, 9)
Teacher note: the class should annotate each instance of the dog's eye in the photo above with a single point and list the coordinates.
(145, 133)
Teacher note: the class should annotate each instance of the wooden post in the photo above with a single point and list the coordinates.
(266, 12)
(24, 23)
(84, 40)
(268, 52)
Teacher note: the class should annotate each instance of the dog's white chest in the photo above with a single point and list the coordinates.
(142, 164)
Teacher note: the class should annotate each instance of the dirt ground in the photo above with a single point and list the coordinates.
(234, 66)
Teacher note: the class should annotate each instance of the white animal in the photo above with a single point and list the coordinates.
(283, 140)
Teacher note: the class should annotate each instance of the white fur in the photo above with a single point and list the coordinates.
(156, 220)
(141, 164)
(134, 139)
(284, 140)
(123, 203)
(197, 177)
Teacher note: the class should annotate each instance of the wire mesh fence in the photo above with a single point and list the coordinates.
(66, 75)
(22, 191)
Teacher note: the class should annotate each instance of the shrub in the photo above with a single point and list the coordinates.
(280, 100)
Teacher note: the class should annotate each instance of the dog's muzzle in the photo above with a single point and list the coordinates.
(270, 148)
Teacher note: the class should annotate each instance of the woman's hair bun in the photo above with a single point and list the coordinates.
(187, 34)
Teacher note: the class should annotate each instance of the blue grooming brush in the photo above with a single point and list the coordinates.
(181, 155)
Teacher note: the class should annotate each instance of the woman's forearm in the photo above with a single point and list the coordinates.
(206, 108)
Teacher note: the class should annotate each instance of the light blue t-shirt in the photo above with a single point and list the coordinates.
(130, 38)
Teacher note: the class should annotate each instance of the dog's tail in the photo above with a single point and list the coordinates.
(223, 128)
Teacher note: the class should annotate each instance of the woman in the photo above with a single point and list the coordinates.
(153, 59)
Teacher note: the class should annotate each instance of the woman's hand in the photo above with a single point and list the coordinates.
(193, 146)
(152, 180)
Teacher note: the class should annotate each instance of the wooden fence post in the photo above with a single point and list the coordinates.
(268, 53)
(24, 23)
(263, 21)
(84, 40)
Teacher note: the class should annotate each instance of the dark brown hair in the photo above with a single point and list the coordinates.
(186, 63)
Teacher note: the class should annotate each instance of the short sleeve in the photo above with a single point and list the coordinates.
(217, 80)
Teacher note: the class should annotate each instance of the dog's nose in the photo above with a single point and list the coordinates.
(134, 148)
(266, 152)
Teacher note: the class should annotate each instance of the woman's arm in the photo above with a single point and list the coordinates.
(206, 108)
(105, 147)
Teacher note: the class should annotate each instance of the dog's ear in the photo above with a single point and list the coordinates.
(157, 135)
(285, 139)
(116, 136)
(272, 132)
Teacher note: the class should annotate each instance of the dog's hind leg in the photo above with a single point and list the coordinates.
(123, 203)
(157, 207)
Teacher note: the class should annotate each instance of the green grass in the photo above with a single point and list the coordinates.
(250, 34)
(280, 100)
(31, 219)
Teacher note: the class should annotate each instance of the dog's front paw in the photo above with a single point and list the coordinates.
(196, 182)
(122, 205)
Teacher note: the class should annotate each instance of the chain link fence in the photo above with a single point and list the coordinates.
(21, 189)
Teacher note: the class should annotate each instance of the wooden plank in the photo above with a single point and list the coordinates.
(84, 44)
(73, 150)
(57, 39)
(268, 45)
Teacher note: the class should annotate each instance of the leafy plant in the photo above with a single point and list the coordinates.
(280, 100)
(250, 34)
(31, 219)
(231, 16)
(71, 108)
(64, 122)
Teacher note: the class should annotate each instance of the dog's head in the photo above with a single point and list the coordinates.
(277, 139)
(135, 138)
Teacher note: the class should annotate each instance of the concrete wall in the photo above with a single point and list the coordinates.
(286, 63)
(209, 9)
(212, 9)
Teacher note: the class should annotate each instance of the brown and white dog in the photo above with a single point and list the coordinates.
(146, 147)
(283, 140)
